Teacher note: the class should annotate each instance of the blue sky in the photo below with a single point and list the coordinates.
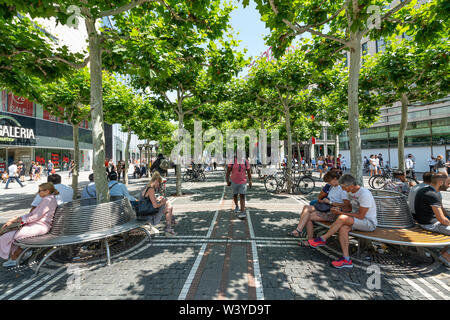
(247, 22)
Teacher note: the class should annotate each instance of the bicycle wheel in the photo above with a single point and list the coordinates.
(202, 176)
(305, 185)
(271, 184)
(378, 182)
(187, 177)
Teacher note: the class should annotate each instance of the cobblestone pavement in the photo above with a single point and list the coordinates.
(218, 256)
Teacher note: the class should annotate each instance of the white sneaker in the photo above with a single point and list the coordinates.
(9, 263)
(242, 215)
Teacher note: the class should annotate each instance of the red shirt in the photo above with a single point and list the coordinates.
(239, 173)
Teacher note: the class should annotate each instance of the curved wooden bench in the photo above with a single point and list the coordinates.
(396, 224)
(74, 223)
(415, 236)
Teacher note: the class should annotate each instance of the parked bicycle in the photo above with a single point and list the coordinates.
(192, 175)
(379, 181)
(278, 183)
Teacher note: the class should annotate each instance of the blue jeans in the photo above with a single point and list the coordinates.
(11, 178)
(313, 202)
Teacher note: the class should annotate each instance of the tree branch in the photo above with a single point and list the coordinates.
(73, 65)
(131, 5)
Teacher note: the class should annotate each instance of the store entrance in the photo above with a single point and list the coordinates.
(9, 155)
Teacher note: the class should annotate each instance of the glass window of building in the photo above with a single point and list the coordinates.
(381, 45)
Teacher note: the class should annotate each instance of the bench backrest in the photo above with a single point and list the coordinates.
(73, 219)
(392, 209)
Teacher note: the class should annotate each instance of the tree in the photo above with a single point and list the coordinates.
(164, 58)
(341, 25)
(286, 84)
(191, 13)
(407, 73)
(68, 99)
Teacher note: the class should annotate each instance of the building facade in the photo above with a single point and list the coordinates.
(29, 133)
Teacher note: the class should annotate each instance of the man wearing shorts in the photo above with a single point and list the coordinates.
(239, 171)
(360, 213)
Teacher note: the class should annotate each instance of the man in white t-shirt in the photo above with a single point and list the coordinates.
(360, 213)
(65, 192)
(13, 175)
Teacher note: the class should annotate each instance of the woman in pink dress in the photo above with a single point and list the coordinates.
(35, 223)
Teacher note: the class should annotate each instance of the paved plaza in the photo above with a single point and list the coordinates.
(218, 256)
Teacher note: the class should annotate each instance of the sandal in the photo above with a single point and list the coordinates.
(292, 234)
(170, 233)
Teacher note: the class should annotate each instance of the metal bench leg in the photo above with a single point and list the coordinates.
(108, 256)
(21, 255)
(149, 235)
(48, 255)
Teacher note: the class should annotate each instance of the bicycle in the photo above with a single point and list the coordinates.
(192, 175)
(380, 181)
(276, 183)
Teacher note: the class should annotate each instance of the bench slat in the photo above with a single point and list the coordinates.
(415, 236)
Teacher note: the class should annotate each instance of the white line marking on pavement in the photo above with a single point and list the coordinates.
(418, 288)
(433, 288)
(443, 285)
(34, 285)
(256, 269)
(194, 269)
(11, 291)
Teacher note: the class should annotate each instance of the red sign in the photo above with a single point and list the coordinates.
(65, 159)
(313, 140)
(19, 105)
(40, 160)
(55, 158)
(2, 166)
(48, 116)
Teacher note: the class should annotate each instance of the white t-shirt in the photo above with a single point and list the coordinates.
(409, 164)
(65, 195)
(12, 169)
(431, 162)
(336, 194)
(343, 161)
(363, 198)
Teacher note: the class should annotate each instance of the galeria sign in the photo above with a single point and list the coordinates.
(16, 132)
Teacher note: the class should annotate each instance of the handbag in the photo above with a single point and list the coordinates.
(322, 207)
(16, 226)
(144, 207)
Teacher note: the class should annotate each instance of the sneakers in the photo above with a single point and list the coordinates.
(317, 242)
(342, 263)
(236, 210)
(9, 263)
(444, 261)
(242, 215)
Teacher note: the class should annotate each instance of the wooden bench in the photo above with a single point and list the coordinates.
(396, 224)
(74, 223)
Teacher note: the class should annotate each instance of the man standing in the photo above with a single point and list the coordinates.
(344, 164)
(429, 212)
(409, 165)
(431, 162)
(380, 158)
(360, 213)
(238, 171)
(49, 167)
(13, 174)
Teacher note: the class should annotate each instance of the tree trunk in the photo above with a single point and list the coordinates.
(353, 110)
(401, 133)
(127, 158)
(180, 126)
(336, 149)
(289, 159)
(98, 133)
(76, 153)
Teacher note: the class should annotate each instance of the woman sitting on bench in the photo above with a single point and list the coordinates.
(152, 191)
(37, 222)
